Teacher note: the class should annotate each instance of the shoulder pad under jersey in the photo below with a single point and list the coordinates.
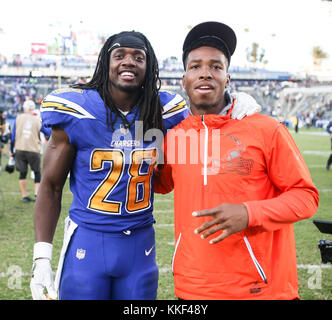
(172, 103)
(63, 105)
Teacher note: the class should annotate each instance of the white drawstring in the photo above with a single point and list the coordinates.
(257, 265)
(176, 247)
(206, 140)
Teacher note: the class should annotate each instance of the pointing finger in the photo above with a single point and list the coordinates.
(206, 212)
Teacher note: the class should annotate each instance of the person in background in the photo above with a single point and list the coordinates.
(2, 134)
(238, 186)
(329, 131)
(26, 146)
(296, 126)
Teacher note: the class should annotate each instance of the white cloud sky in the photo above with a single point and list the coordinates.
(298, 25)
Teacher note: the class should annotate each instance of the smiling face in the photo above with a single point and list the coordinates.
(205, 80)
(127, 70)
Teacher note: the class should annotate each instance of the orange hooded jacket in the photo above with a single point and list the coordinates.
(214, 159)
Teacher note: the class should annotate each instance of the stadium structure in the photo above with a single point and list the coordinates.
(281, 94)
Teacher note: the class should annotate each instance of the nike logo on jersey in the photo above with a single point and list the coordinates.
(147, 252)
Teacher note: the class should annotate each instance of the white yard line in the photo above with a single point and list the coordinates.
(299, 266)
(317, 153)
(164, 225)
(165, 200)
(169, 269)
(310, 266)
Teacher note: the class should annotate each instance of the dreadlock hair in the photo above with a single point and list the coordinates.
(149, 102)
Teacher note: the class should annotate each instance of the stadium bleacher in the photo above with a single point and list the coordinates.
(281, 94)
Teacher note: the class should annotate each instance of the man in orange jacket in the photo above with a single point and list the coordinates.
(238, 186)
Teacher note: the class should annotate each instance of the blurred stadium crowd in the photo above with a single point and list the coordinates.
(280, 94)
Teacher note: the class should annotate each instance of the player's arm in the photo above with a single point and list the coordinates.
(163, 180)
(57, 161)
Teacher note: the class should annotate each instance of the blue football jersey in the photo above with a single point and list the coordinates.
(111, 178)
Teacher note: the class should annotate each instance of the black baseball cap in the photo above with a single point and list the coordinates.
(210, 34)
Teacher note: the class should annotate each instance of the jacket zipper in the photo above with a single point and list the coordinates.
(257, 265)
(206, 140)
(176, 247)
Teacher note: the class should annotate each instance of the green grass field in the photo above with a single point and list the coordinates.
(17, 236)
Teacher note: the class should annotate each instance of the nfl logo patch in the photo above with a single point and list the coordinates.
(123, 129)
(80, 254)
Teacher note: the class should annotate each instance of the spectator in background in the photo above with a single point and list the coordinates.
(26, 144)
(296, 124)
(2, 132)
(329, 130)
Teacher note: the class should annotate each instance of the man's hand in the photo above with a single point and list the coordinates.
(42, 275)
(245, 105)
(228, 217)
(42, 278)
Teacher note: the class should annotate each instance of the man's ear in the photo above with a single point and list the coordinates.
(183, 81)
(228, 81)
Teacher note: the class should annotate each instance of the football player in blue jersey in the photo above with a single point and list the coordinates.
(106, 134)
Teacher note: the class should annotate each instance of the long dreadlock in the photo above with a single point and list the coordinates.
(149, 102)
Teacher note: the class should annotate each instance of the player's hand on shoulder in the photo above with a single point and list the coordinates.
(245, 105)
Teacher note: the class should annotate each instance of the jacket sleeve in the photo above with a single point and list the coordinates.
(163, 181)
(288, 172)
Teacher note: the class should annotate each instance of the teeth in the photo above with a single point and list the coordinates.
(127, 74)
(204, 87)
